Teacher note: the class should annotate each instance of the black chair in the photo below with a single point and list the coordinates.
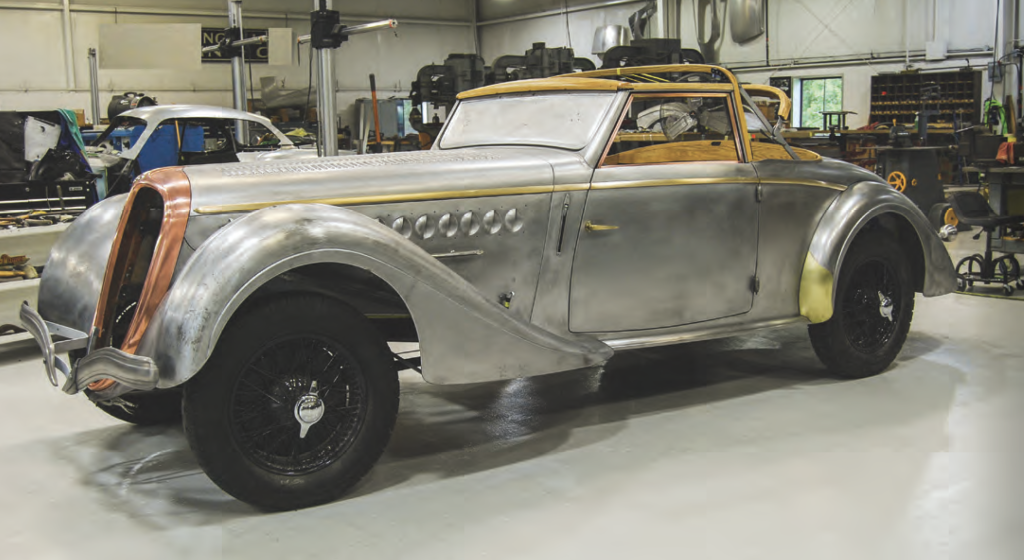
(972, 209)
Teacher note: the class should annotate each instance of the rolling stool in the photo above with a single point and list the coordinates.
(972, 209)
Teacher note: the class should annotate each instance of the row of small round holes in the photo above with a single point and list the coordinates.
(448, 225)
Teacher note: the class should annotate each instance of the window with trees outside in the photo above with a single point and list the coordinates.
(817, 95)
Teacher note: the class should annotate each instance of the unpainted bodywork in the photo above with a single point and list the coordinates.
(123, 165)
(505, 260)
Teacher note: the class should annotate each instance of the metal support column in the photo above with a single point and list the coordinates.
(238, 70)
(94, 87)
(327, 34)
(326, 100)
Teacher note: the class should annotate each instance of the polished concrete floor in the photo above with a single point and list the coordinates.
(733, 449)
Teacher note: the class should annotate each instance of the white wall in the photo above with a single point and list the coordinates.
(518, 36)
(799, 32)
(37, 78)
(805, 32)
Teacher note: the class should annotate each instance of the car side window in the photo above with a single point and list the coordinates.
(205, 141)
(258, 137)
(763, 145)
(675, 128)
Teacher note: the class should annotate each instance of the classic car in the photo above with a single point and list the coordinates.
(554, 222)
(147, 138)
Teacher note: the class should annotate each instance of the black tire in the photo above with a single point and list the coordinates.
(859, 341)
(942, 214)
(240, 418)
(152, 408)
(936, 215)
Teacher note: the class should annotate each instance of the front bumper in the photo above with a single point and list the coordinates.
(135, 372)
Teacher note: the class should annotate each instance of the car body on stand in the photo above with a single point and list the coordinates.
(554, 222)
(147, 138)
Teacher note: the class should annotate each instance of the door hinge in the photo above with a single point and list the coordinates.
(759, 193)
(755, 284)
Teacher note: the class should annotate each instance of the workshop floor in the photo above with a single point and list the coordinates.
(733, 449)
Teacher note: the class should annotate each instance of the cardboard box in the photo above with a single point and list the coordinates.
(80, 117)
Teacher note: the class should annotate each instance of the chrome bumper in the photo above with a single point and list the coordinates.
(136, 372)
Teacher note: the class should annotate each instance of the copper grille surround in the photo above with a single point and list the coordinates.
(173, 186)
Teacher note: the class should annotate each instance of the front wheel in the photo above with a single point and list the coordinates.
(295, 405)
(874, 304)
(151, 408)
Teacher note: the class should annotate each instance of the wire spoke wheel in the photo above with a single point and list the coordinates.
(262, 411)
(296, 403)
(871, 306)
(872, 309)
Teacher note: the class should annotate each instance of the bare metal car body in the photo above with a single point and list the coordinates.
(554, 222)
(511, 260)
(266, 142)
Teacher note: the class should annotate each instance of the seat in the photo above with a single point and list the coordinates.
(972, 209)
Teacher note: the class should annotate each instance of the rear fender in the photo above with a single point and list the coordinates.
(838, 227)
(464, 337)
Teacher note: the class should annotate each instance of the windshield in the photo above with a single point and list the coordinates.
(559, 120)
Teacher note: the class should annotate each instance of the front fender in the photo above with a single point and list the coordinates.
(464, 337)
(71, 283)
(847, 215)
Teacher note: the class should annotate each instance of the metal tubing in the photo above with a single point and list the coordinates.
(357, 29)
(559, 11)
(94, 87)
(69, 61)
(366, 27)
(135, 10)
(238, 72)
(326, 102)
(262, 39)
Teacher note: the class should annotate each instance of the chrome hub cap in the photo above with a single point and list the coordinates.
(885, 306)
(309, 410)
(871, 306)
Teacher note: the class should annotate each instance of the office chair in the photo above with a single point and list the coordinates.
(972, 209)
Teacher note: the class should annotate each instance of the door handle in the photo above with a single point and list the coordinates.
(589, 226)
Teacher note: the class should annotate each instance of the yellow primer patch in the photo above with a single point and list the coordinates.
(815, 291)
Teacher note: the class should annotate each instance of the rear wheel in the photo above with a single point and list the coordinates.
(874, 305)
(296, 404)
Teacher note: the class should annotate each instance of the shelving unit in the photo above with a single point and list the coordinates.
(898, 96)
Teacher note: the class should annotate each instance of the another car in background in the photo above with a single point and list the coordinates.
(148, 138)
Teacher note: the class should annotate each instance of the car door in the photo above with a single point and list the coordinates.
(670, 225)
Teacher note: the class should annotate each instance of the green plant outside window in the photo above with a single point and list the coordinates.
(817, 95)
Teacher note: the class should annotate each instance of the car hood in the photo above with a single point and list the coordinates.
(369, 178)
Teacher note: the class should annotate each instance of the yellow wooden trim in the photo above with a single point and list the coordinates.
(572, 187)
(803, 182)
(375, 199)
(785, 104)
(557, 83)
(674, 182)
(714, 181)
(509, 191)
(816, 291)
(654, 78)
